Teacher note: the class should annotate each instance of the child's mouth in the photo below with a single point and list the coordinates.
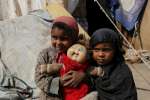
(100, 61)
(59, 48)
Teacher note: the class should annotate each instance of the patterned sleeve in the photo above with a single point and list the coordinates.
(48, 84)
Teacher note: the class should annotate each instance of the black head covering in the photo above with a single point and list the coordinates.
(105, 35)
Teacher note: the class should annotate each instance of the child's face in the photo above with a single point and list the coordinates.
(77, 53)
(59, 40)
(103, 53)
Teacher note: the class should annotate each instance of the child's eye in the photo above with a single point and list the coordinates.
(63, 38)
(102, 49)
(95, 50)
(107, 49)
(54, 37)
(60, 38)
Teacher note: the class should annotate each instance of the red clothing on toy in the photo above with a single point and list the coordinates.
(71, 93)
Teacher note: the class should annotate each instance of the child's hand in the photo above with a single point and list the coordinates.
(53, 68)
(94, 72)
(72, 79)
(43, 68)
(97, 71)
(50, 68)
(64, 79)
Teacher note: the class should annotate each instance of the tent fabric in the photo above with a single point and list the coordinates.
(21, 40)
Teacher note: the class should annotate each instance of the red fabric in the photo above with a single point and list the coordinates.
(70, 21)
(83, 88)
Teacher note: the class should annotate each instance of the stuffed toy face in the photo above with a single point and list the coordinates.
(77, 52)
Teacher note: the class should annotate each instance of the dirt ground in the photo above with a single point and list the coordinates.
(145, 28)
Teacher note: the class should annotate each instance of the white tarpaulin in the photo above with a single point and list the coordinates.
(21, 40)
(10, 9)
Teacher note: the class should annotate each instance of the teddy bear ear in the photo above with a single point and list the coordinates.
(83, 41)
(81, 36)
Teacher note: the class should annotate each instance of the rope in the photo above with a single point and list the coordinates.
(134, 34)
(148, 90)
(125, 39)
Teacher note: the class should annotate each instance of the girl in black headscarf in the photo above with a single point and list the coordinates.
(112, 77)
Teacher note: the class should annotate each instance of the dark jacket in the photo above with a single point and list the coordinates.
(116, 84)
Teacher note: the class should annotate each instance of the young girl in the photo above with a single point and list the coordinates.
(112, 77)
(76, 59)
(64, 34)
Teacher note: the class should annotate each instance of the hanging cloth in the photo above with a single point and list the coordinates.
(128, 12)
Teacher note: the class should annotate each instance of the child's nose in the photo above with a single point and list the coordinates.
(101, 53)
(58, 42)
